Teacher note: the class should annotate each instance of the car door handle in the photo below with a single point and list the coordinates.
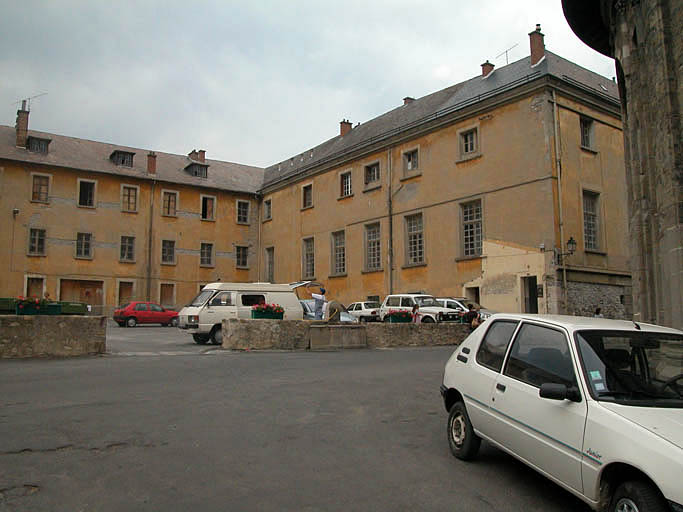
(500, 387)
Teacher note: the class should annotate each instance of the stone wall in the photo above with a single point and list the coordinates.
(51, 336)
(241, 334)
(613, 300)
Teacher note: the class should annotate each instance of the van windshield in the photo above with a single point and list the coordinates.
(201, 299)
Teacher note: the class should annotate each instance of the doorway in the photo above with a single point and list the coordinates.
(34, 287)
(529, 285)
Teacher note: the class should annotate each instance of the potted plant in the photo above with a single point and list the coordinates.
(269, 311)
(36, 306)
(397, 316)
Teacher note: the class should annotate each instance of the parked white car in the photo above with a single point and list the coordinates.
(595, 405)
(367, 311)
(461, 304)
(429, 310)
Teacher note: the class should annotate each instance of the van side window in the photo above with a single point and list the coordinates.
(222, 299)
(492, 349)
(394, 301)
(250, 300)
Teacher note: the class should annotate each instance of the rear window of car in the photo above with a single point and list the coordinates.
(495, 343)
(370, 305)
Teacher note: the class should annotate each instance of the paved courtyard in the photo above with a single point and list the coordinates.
(160, 423)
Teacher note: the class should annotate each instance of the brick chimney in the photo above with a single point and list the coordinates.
(486, 68)
(152, 162)
(202, 155)
(193, 155)
(537, 46)
(407, 100)
(344, 127)
(22, 125)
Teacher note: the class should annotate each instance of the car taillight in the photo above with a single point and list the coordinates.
(373, 312)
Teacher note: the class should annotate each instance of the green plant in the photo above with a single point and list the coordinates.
(397, 313)
(30, 302)
(268, 308)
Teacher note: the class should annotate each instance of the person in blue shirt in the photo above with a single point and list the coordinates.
(319, 303)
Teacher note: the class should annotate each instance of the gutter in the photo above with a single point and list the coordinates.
(149, 242)
(558, 163)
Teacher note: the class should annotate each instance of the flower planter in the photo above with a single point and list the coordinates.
(399, 320)
(267, 315)
(35, 309)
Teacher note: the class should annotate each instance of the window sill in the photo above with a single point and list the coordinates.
(595, 251)
(589, 150)
(39, 202)
(413, 265)
(83, 257)
(473, 257)
(409, 175)
(468, 157)
(243, 223)
(36, 255)
(86, 206)
(239, 267)
(267, 220)
(336, 275)
(370, 188)
(371, 271)
(169, 215)
(208, 220)
(127, 261)
(207, 265)
(306, 207)
(169, 263)
(129, 211)
(341, 198)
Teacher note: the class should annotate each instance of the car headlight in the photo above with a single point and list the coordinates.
(193, 319)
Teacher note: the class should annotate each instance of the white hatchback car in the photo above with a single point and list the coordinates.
(595, 405)
(367, 311)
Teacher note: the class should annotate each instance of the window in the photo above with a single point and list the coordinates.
(41, 188)
(410, 160)
(242, 256)
(373, 247)
(586, 133)
(492, 350)
(198, 170)
(339, 252)
(127, 248)
(122, 158)
(590, 221)
(407, 302)
(308, 258)
(222, 299)
(394, 301)
(168, 251)
(208, 203)
(468, 143)
(37, 145)
(270, 264)
(267, 209)
(345, 185)
(141, 306)
(169, 203)
(84, 245)
(372, 174)
(471, 228)
(415, 238)
(36, 242)
(206, 254)
(252, 300)
(540, 355)
(374, 298)
(129, 198)
(307, 193)
(86, 193)
(243, 212)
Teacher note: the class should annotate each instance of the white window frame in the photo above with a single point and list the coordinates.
(465, 224)
(409, 258)
(338, 252)
(49, 186)
(125, 260)
(237, 211)
(304, 255)
(177, 202)
(345, 184)
(596, 245)
(305, 206)
(175, 256)
(376, 182)
(237, 259)
(28, 246)
(78, 193)
(212, 259)
(367, 255)
(91, 245)
(587, 135)
(30, 275)
(409, 168)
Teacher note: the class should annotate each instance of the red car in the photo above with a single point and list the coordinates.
(135, 313)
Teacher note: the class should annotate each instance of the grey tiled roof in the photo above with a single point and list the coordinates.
(86, 155)
(442, 103)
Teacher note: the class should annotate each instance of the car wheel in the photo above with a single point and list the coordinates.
(131, 321)
(200, 339)
(427, 320)
(216, 335)
(637, 496)
(464, 443)
(174, 321)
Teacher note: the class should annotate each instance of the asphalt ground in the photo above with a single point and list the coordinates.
(160, 423)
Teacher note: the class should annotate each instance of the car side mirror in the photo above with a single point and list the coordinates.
(554, 391)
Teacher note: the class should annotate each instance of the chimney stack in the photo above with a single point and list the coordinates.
(202, 155)
(152, 162)
(344, 127)
(22, 125)
(537, 46)
(193, 155)
(407, 100)
(486, 68)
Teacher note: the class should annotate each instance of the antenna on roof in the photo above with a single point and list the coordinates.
(28, 100)
(506, 53)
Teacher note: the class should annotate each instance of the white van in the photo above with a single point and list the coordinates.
(204, 315)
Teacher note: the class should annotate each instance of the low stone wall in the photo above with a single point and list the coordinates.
(240, 334)
(415, 335)
(51, 336)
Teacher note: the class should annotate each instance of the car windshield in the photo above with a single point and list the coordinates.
(201, 299)
(370, 305)
(642, 368)
(425, 300)
(124, 306)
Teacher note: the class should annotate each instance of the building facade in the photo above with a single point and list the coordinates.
(507, 189)
(644, 38)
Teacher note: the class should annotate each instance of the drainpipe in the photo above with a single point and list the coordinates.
(258, 240)
(391, 224)
(149, 242)
(558, 162)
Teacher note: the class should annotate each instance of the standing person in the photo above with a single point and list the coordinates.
(415, 313)
(472, 317)
(319, 303)
(598, 313)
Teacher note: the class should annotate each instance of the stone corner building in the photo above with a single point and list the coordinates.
(644, 37)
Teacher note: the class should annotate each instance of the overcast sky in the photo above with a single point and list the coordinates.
(251, 82)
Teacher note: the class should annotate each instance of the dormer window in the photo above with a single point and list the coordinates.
(37, 145)
(199, 170)
(123, 158)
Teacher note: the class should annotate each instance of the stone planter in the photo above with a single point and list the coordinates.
(268, 315)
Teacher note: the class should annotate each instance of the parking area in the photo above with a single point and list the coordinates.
(220, 430)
